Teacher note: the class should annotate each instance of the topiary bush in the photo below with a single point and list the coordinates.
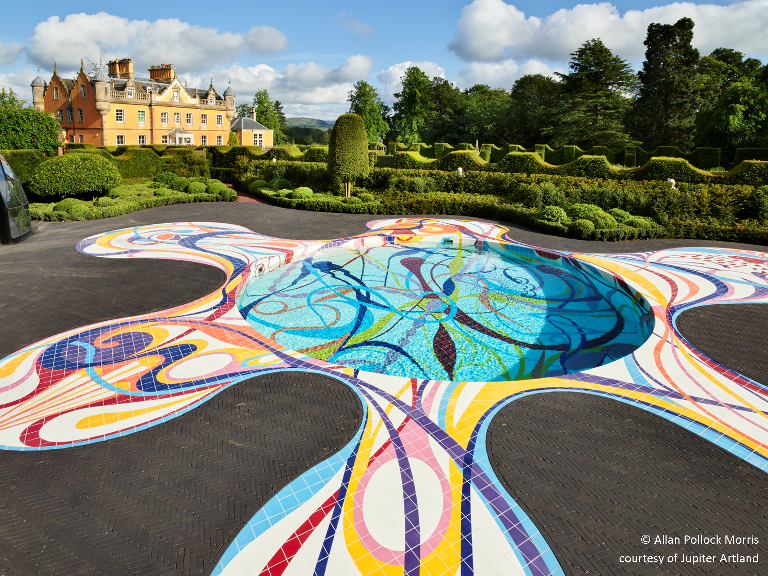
(348, 150)
(620, 215)
(594, 214)
(582, 228)
(256, 184)
(73, 175)
(104, 201)
(554, 214)
(197, 188)
(24, 163)
(302, 192)
(75, 208)
(180, 184)
(278, 183)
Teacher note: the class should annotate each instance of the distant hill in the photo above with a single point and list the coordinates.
(303, 122)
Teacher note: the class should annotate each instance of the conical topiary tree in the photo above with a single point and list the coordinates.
(348, 150)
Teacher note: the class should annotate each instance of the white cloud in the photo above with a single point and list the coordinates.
(501, 74)
(392, 75)
(20, 82)
(492, 30)
(9, 52)
(355, 27)
(307, 83)
(189, 47)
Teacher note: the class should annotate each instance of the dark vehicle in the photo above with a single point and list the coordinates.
(15, 222)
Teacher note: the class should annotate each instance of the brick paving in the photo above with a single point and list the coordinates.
(593, 474)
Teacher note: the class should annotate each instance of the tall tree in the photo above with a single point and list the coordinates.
(9, 99)
(348, 150)
(485, 115)
(266, 114)
(280, 116)
(365, 101)
(447, 106)
(596, 96)
(534, 98)
(664, 112)
(243, 110)
(412, 106)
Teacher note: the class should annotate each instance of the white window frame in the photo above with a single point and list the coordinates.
(203, 119)
(211, 100)
(189, 119)
(141, 116)
(258, 139)
(80, 115)
(142, 139)
(175, 95)
(119, 115)
(219, 140)
(177, 118)
(118, 137)
(70, 116)
(204, 140)
(82, 91)
(219, 120)
(80, 139)
(163, 139)
(164, 118)
(55, 92)
(60, 114)
(129, 92)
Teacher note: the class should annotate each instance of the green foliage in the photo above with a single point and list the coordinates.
(365, 101)
(582, 228)
(302, 192)
(555, 214)
(9, 99)
(267, 114)
(348, 150)
(104, 201)
(412, 105)
(255, 185)
(73, 175)
(316, 154)
(620, 215)
(742, 154)
(278, 183)
(232, 141)
(28, 129)
(594, 214)
(284, 153)
(24, 163)
(197, 188)
(138, 163)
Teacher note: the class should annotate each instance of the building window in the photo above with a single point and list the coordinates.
(204, 119)
(219, 140)
(177, 118)
(80, 139)
(70, 116)
(79, 114)
(72, 138)
(55, 92)
(175, 96)
(142, 139)
(219, 120)
(119, 115)
(141, 116)
(189, 119)
(120, 140)
(82, 91)
(210, 101)
(60, 114)
(204, 140)
(258, 139)
(164, 118)
(163, 139)
(129, 92)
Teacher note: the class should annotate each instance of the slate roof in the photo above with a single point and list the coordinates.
(238, 124)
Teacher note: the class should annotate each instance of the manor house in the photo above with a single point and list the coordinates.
(118, 109)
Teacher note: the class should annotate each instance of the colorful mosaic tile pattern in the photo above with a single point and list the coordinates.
(414, 492)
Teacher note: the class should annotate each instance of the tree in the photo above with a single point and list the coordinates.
(9, 99)
(534, 98)
(446, 110)
(365, 101)
(233, 141)
(244, 110)
(740, 119)
(348, 150)
(485, 114)
(280, 116)
(266, 114)
(412, 106)
(595, 99)
(664, 112)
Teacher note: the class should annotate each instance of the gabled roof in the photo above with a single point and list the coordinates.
(245, 124)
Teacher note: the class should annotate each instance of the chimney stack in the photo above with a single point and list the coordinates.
(121, 68)
(162, 72)
(253, 113)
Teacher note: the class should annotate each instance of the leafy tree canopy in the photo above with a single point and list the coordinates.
(412, 106)
(365, 101)
(267, 114)
(9, 99)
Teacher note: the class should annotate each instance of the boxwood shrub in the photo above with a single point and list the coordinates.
(74, 175)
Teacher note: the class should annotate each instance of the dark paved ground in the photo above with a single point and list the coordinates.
(170, 499)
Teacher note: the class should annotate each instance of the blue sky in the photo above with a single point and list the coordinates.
(309, 54)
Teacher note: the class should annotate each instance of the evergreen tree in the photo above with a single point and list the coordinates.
(348, 150)
(266, 114)
(412, 106)
(533, 100)
(664, 112)
(366, 103)
(280, 116)
(595, 99)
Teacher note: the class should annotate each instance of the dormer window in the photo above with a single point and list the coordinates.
(149, 89)
(129, 92)
(210, 101)
(176, 96)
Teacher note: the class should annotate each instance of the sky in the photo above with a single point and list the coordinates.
(308, 54)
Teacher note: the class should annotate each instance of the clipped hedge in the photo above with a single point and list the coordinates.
(750, 154)
(24, 163)
(73, 175)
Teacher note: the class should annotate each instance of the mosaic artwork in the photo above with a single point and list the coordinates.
(413, 492)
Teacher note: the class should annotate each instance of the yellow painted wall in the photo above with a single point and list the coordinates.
(245, 137)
